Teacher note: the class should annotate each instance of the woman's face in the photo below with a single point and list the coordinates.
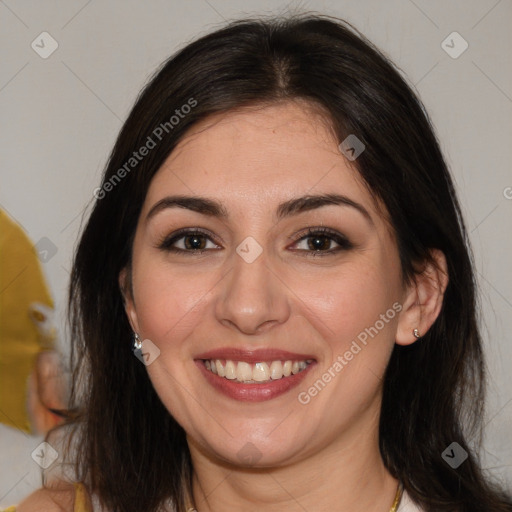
(259, 252)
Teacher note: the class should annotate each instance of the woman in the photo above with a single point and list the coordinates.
(278, 241)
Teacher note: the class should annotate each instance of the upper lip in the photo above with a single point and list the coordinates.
(253, 355)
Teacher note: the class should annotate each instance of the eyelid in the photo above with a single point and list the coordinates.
(312, 230)
(166, 242)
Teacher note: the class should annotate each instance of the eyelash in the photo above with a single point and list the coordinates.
(343, 243)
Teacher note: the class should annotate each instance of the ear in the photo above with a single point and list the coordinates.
(423, 299)
(127, 294)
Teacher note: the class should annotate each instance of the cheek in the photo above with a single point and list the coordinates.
(356, 312)
(350, 301)
(169, 303)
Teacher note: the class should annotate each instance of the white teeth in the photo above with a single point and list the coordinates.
(220, 369)
(243, 371)
(276, 370)
(230, 370)
(259, 372)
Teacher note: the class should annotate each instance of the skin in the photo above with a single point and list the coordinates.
(320, 456)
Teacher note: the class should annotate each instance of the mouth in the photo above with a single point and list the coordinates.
(254, 375)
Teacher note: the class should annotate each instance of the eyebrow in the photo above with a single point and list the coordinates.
(213, 208)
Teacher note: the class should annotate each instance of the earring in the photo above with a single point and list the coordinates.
(416, 333)
(137, 343)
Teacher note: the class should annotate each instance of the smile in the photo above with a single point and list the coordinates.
(255, 373)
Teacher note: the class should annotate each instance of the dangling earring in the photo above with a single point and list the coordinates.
(416, 333)
(137, 343)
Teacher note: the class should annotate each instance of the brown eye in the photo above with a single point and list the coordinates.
(188, 241)
(319, 242)
(322, 241)
(194, 242)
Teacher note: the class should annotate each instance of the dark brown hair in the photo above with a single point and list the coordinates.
(131, 452)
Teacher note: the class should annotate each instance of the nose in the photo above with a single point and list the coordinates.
(252, 299)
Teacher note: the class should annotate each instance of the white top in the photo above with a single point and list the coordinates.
(407, 505)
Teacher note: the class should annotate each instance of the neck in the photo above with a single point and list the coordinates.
(347, 474)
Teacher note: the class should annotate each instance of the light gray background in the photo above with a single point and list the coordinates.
(60, 117)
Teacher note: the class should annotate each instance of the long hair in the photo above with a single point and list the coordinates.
(131, 452)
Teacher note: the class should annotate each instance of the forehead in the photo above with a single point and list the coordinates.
(257, 155)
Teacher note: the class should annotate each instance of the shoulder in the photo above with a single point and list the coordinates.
(49, 500)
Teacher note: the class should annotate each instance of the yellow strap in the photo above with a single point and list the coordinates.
(81, 504)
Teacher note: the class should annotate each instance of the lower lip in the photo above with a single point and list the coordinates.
(253, 392)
